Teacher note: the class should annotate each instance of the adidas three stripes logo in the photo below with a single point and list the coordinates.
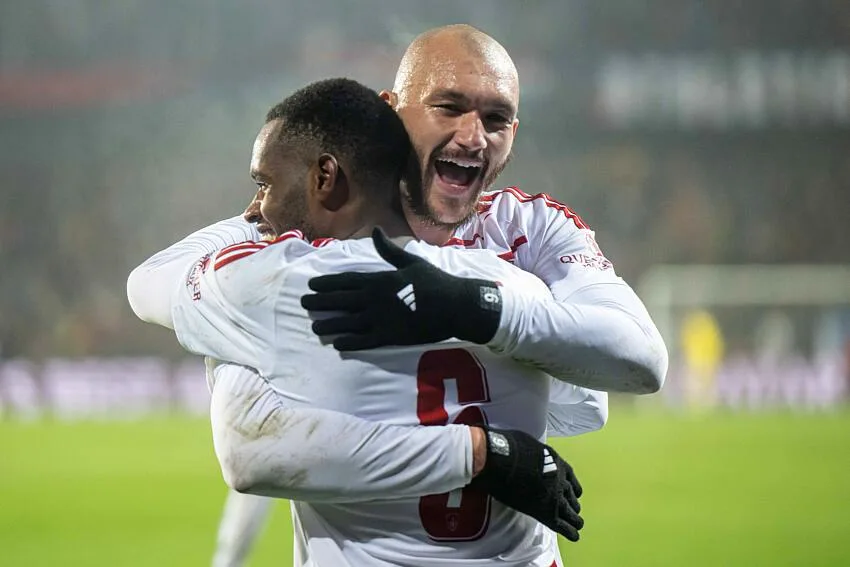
(407, 296)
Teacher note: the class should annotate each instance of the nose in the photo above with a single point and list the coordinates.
(470, 133)
(252, 211)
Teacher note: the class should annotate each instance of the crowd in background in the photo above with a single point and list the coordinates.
(128, 124)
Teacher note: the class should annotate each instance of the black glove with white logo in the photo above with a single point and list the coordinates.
(530, 477)
(418, 303)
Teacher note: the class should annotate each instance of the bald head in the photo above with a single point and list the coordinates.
(453, 49)
(457, 92)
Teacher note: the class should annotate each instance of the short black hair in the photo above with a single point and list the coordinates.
(350, 121)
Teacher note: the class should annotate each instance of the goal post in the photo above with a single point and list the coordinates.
(765, 330)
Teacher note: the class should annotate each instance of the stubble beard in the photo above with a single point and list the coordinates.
(295, 215)
(418, 198)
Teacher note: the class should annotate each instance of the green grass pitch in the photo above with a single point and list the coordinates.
(660, 489)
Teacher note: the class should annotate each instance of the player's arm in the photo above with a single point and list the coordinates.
(595, 331)
(220, 303)
(574, 410)
(150, 285)
(269, 447)
(592, 331)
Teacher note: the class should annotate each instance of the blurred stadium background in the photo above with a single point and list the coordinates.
(706, 142)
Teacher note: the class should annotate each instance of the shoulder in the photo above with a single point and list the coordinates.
(242, 272)
(482, 263)
(519, 226)
(518, 207)
(288, 246)
(290, 257)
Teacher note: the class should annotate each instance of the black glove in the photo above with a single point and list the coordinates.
(416, 304)
(530, 477)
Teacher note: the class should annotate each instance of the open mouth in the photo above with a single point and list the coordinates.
(459, 174)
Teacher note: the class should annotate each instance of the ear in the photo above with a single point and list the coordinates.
(390, 98)
(330, 183)
(515, 125)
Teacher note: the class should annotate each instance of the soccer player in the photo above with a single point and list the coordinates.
(457, 92)
(330, 159)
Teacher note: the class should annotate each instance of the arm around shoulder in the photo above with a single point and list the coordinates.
(593, 331)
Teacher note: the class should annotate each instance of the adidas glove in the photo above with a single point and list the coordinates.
(418, 303)
(530, 477)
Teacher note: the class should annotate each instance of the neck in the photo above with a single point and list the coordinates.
(391, 221)
(426, 231)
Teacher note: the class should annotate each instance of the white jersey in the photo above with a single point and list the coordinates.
(592, 330)
(242, 305)
(597, 332)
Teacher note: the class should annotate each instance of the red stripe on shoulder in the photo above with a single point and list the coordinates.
(319, 242)
(222, 262)
(245, 249)
(234, 252)
(486, 202)
(288, 235)
(249, 245)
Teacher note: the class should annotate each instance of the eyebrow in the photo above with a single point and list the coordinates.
(498, 103)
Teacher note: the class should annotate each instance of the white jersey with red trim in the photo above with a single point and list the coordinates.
(539, 235)
(596, 332)
(242, 305)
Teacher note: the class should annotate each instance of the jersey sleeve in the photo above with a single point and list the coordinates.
(149, 286)
(595, 332)
(267, 446)
(574, 410)
(226, 306)
(218, 298)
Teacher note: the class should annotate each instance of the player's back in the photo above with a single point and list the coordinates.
(451, 382)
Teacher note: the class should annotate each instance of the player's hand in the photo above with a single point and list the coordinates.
(530, 477)
(417, 303)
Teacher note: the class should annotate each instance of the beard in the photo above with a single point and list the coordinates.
(294, 215)
(418, 195)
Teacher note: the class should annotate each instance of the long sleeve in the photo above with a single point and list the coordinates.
(595, 331)
(268, 448)
(150, 287)
(599, 337)
(574, 410)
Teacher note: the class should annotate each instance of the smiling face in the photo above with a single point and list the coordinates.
(280, 203)
(457, 92)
